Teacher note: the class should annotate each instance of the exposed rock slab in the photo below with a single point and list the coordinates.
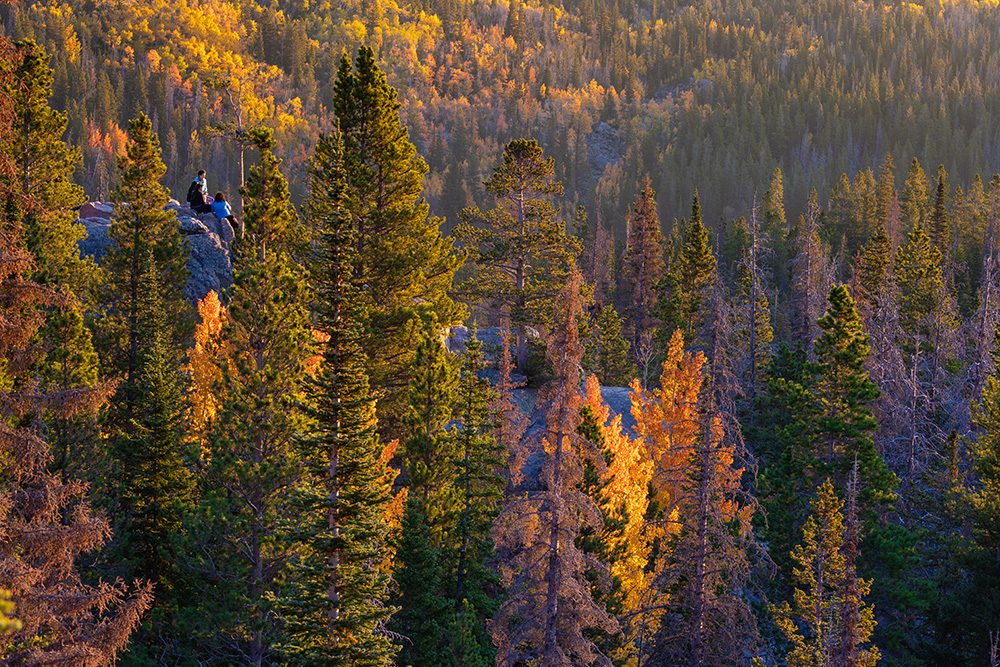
(207, 237)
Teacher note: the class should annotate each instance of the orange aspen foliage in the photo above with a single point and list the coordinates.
(396, 506)
(667, 419)
(203, 366)
(625, 504)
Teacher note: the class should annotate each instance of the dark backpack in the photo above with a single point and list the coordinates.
(194, 196)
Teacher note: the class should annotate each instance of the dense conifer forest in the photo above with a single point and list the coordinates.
(583, 334)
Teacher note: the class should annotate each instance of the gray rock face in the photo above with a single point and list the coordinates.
(207, 236)
(604, 148)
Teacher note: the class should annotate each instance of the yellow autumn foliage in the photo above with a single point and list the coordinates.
(203, 366)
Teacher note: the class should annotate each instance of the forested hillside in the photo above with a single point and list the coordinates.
(711, 95)
(700, 366)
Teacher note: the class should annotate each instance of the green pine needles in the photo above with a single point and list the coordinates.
(334, 610)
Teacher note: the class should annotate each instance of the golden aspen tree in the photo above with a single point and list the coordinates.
(699, 522)
(203, 364)
(667, 420)
(624, 505)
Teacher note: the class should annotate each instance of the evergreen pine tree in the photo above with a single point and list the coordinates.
(271, 221)
(940, 223)
(692, 272)
(333, 610)
(250, 463)
(141, 227)
(829, 426)
(429, 527)
(155, 484)
(979, 516)
(423, 615)
(774, 227)
(401, 255)
(431, 453)
(926, 316)
(520, 249)
(473, 583)
(607, 352)
(44, 168)
(828, 592)
(872, 270)
(885, 194)
(914, 200)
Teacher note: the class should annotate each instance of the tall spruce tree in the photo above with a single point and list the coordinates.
(250, 464)
(44, 167)
(886, 203)
(914, 200)
(926, 314)
(472, 582)
(155, 484)
(333, 609)
(941, 232)
(829, 596)
(520, 249)
(608, 354)
(140, 228)
(428, 541)
(831, 425)
(401, 255)
(692, 272)
(979, 515)
(431, 454)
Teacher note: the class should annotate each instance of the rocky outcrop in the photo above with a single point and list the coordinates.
(605, 147)
(207, 237)
(618, 399)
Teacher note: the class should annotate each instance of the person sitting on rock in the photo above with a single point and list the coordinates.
(197, 192)
(222, 209)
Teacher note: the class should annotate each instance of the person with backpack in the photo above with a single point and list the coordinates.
(197, 192)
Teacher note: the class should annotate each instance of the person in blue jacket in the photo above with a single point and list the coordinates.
(222, 209)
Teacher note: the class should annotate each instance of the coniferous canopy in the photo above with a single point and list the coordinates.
(401, 256)
(333, 610)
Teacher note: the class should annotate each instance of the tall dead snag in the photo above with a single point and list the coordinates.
(752, 312)
(550, 613)
(985, 319)
(811, 275)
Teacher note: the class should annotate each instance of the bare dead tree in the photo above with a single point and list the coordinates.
(646, 355)
(752, 314)
(986, 317)
(812, 275)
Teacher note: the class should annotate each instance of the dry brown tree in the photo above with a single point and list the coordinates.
(550, 615)
(45, 523)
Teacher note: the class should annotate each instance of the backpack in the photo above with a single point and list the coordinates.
(194, 196)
